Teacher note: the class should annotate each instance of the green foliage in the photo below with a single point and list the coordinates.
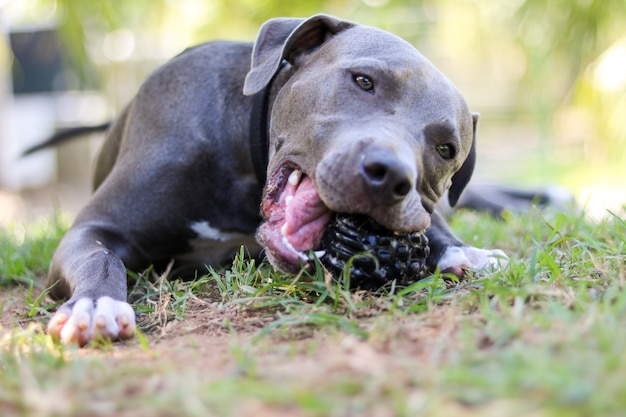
(547, 58)
(564, 43)
(565, 36)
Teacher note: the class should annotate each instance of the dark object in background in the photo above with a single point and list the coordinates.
(37, 62)
(41, 64)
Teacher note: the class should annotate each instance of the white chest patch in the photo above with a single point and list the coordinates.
(205, 231)
(213, 246)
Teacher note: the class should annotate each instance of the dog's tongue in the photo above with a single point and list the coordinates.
(305, 215)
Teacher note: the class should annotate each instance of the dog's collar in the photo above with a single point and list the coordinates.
(259, 129)
(259, 144)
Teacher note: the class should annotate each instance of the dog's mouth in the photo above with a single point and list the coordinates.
(298, 226)
(295, 218)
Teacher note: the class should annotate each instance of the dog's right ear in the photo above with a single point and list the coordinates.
(285, 39)
(462, 177)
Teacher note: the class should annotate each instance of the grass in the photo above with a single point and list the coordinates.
(25, 250)
(543, 337)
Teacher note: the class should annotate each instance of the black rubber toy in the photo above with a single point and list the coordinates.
(377, 255)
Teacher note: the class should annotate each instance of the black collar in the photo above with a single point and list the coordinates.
(259, 130)
(259, 143)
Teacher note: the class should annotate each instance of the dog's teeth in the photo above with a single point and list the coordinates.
(294, 177)
(319, 253)
(303, 256)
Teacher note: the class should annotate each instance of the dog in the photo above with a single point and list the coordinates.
(233, 143)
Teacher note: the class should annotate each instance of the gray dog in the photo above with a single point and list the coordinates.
(318, 116)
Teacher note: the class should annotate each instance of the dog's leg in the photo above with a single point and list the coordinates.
(451, 255)
(495, 199)
(87, 268)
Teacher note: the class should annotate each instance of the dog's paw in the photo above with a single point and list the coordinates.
(87, 319)
(458, 259)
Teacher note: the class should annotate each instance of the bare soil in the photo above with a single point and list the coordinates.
(209, 332)
(216, 341)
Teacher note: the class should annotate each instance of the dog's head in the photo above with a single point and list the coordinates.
(360, 122)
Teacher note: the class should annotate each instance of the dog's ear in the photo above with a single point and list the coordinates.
(284, 39)
(461, 178)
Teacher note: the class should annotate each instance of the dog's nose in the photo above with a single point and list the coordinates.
(386, 177)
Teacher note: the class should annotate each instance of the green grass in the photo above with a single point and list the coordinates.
(25, 250)
(546, 336)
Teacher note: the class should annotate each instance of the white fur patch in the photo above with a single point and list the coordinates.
(77, 328)
(108, 319)
(474, 258)
(213, 246)
(205, 231)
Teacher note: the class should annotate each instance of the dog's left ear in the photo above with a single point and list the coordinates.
(284, 39)
(461, 178)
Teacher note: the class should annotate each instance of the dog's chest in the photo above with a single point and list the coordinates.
(212, 246)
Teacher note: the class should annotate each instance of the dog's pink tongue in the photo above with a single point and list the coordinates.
(305, 216)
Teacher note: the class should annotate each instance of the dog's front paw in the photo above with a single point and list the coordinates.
(88, 319)
(458, 259)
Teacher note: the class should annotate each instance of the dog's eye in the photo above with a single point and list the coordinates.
(446, 151)
(364, 82)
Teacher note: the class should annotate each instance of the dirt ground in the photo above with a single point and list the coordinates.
(218, 342)
(210, 335)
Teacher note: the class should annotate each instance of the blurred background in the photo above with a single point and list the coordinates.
(547, 76)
